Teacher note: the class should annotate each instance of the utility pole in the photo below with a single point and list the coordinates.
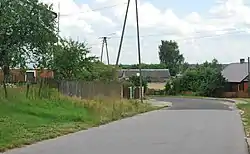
(122, 36)
(139, 49)
(105, 43)
(58, 24)
(138, 43)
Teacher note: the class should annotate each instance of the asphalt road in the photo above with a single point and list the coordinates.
(188, 127)
(182, 103)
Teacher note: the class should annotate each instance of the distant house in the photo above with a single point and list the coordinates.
(17, 75)
(236, 75)
(156, 77)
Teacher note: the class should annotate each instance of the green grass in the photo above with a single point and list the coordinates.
(245, 107)
(25, 121)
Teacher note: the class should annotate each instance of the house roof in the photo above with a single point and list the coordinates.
(153, 73)
(235, 72)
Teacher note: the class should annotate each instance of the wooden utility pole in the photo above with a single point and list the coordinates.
(105, 43)
(122, 36)
(58, 17)
(139, 49)
(138, 43)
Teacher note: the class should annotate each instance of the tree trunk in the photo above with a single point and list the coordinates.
(5, 77)
(5, 87)
(40, 87)
(27, 90)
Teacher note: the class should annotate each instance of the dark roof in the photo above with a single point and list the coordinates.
(235, 72)
(153, 73)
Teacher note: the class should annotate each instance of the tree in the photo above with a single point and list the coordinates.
(71, 60)
(144, 66)
(26, 28)
(101, 72)
(169, 55)
(204, 80)
(184, 67)
(135, 80)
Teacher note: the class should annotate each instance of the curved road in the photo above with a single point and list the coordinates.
(190, 126)
(182, 103)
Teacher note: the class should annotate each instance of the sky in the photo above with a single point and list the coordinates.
(204, 30)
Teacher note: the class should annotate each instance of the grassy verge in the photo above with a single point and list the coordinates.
(25, 121)
(245, 108)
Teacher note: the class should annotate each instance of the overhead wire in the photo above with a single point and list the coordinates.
(194, 37)
(93, 10)
(165, 34)
(159, 34)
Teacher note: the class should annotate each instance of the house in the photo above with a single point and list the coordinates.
(156, 77)
(18, 75)
(236, 75)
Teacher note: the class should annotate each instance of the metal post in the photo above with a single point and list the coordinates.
(139, 49)
(123, 30)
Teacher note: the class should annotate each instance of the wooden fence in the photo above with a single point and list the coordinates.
(89, 90)
(235, 95)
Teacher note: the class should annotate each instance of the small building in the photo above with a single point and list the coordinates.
(31, 75)
(156, 77)
(236, 75)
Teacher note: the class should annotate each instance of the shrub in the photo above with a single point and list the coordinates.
(203, 80)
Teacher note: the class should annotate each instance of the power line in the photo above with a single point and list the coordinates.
(194, 37)
(165, 34)
(97, 9)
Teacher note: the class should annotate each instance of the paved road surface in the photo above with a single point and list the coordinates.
(182, 103)
(188, 127)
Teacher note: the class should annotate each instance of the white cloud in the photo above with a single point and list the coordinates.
(195, 32)
(77, 18)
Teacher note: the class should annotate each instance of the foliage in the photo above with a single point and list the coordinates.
(71, 60)
(101, 72)
(48, 118)
(144, 66)
(135, 80)
(204, 80)
(184, 67)
(26, 31)
(169, 55)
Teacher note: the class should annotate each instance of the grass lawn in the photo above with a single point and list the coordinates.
(25, 121)
(245, 107)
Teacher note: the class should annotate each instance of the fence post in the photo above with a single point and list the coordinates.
(121, 91)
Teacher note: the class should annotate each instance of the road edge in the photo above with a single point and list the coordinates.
(240, 112)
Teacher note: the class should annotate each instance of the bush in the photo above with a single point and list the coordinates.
(203, 80)
(135, 80)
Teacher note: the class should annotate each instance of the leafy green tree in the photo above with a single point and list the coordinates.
(135, 80)
(184, 67)
(26, 27)
(71, 60)
(144, 66)
(169, 55)
(204, 80)
(101, 72)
